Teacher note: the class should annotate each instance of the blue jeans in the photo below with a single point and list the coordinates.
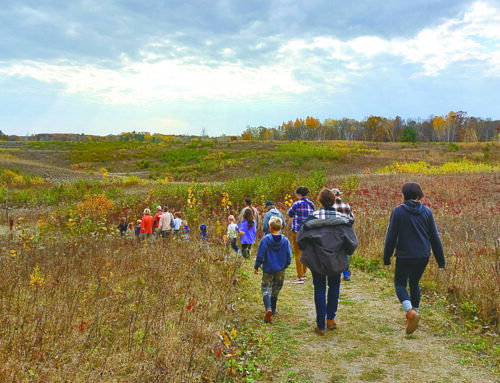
(232, 242)
(347, 273)
(408, 272)
(325, 306)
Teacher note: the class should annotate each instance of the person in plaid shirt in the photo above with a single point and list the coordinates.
(343, 208)
(345, 211)
(299, 212)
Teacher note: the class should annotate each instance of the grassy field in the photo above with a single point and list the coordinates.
(80, 303)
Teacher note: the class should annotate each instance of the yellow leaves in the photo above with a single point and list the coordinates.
(288, 201)
(36, 278)
(13, 253)
(225, 202)
(191, 200)
(227, 338)
(97, 203)
(104, 172)
(234, 333)
(422, 167)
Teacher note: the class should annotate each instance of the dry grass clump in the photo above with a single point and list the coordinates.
(80, 309)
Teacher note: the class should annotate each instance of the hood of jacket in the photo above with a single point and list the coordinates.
(413, 207)
(275, 246)
(313, 222)
(275, 212)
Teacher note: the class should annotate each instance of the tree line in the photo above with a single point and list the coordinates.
(453, 127)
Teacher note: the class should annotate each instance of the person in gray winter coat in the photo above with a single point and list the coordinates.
(271, 211)
(325, 238)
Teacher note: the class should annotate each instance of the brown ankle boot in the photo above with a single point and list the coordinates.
(319, 332)
(412, 319)
(330, 324)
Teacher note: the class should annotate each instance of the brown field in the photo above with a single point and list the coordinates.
(80, 303)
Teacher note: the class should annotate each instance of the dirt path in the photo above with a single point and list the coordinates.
(370, 343)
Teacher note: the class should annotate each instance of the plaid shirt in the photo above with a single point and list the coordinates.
(299, 212)
(343, 208)
(330, 212)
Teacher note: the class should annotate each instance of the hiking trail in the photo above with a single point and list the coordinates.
(370, 343)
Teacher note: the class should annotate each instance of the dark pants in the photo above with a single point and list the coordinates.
(245, 249)
(326, 304)
(408, 272)
(232, 242)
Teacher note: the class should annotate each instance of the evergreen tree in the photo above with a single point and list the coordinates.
(409, 134)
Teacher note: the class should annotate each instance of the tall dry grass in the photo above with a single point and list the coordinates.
(84, 308)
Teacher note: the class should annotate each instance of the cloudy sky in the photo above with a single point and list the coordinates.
(178, 67)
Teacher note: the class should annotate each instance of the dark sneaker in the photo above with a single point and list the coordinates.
(412, 319)
(346, 278)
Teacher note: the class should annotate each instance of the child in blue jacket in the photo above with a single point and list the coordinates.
(274, 255)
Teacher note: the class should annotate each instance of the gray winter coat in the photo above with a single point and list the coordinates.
(325, 244)
(272, 213)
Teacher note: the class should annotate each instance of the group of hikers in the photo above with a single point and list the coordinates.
(163, 224)
(322, 241)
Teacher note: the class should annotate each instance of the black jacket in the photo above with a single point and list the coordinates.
(412, 231)
(325, 244)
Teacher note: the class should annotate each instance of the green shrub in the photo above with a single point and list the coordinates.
(24, 197)
(183, 156)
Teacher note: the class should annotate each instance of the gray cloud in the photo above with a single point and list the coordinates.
(96, 30)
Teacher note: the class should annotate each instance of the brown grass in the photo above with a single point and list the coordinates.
(112, 308)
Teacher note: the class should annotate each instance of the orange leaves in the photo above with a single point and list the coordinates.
(95, 203)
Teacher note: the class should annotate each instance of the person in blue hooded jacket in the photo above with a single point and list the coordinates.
(274, 255)
(412, 232)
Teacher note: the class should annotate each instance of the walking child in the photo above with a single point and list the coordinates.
(232, 233)
(274, 254)
(248, 227)
(203, 232)
(177, 222)
(123, 226)
(187, 230)
(138, 229)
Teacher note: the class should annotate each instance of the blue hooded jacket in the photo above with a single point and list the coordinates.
(412, 231)
(273, 255)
